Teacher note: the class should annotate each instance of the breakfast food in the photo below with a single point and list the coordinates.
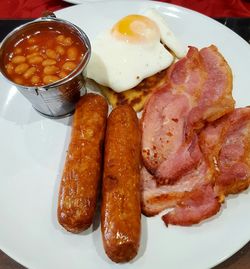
(168, 38)
(133, 47)
(226, 145)
(183, 106)
(43, 56)
(196, 206)
(120, 209)
(82, 171)
(136, 48)
(193, 143)
(176, 173)
(192, 196)
(137, 96)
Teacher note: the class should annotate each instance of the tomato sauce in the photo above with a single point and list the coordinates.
(43, 57)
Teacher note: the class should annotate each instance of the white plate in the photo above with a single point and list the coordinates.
(81, 1)
(32, 152)
(84, 1)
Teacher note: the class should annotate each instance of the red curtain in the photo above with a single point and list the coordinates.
(213, 8)
(217, 8)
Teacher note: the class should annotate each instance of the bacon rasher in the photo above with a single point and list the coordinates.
(176, 174)
(226, 145)
(198, 83)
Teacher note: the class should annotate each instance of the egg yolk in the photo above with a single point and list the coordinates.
(136, 29)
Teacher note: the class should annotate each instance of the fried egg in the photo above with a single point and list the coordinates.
(128, 53)
(168, 38)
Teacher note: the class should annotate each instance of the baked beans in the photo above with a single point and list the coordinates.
(43, 57)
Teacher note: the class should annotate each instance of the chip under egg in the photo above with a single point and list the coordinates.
(132, 50)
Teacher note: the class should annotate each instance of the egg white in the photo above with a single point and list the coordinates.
(121, 65)
(168, 38)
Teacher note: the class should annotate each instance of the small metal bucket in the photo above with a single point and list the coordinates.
(57, 99)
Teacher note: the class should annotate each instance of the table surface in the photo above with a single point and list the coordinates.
(241, 259)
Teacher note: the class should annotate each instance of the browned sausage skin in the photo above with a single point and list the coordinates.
(120, 211)
(82, 169)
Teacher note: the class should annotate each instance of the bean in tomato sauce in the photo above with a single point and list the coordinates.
(43, 57)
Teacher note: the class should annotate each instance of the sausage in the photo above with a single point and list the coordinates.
(82, 170)
(120, 209)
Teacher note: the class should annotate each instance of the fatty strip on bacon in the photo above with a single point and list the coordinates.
(226, 144)
(176, 174)
(156, 197)
(196, 206)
